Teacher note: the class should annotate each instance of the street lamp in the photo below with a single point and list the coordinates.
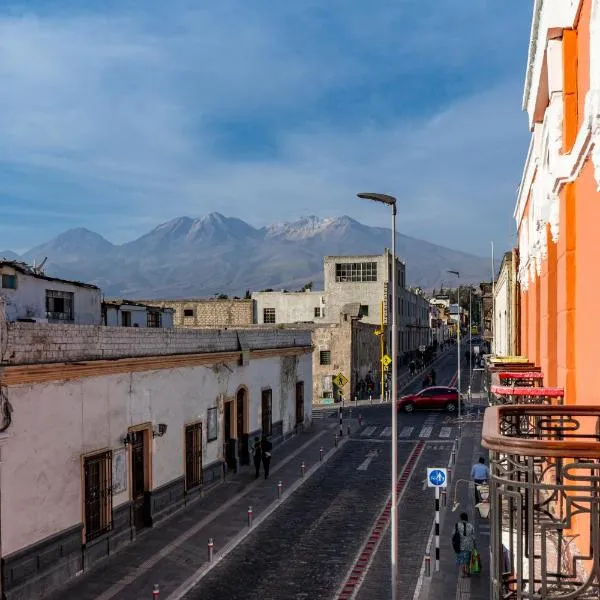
(458, 353)
(391, 201)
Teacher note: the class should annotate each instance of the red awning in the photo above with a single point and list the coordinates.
(509, 390)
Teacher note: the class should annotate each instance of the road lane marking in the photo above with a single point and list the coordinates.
(365, 464)
(406, 432)
(368, 431)
(426, 432)
(445, 432)
(387, 432)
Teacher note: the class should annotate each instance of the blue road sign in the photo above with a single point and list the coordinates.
(437, 477)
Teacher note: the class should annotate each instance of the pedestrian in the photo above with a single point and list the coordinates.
(266, 448)
(257, 455)
(480, 474)
(463, 542)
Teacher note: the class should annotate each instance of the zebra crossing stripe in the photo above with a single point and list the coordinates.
(387, 432)
(445, 432)
(425, 432)
(368, 431)
(406, 432)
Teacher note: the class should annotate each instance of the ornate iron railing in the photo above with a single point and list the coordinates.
(545, 501)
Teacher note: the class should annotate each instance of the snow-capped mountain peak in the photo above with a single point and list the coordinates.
(307, 227)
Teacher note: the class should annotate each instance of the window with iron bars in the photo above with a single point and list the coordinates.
(193, 455)
(59, 305)
(356, 272)
(268, 315)
(154, 318)
(97, 470)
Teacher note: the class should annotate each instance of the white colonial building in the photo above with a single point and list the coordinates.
(30, 295)
(107, 430)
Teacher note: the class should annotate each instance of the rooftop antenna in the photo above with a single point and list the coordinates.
(38, 269)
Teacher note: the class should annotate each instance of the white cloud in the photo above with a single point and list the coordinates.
(118, 110)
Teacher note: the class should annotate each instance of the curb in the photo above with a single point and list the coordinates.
(195, 579)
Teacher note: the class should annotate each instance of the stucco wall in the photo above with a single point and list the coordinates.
(55, 424)
(139, 316)
(28, 301)
(291, 307)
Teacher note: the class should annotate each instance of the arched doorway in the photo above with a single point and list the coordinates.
(242, 426)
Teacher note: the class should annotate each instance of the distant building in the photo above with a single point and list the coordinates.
(31, 295)
(198, 313)
(128, 313)
(289, 307)
(506, 328)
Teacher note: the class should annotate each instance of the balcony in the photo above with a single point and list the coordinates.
(545, 501)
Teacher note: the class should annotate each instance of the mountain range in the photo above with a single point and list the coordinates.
(223, 255)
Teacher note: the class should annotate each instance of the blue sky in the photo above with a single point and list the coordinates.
(117, 115)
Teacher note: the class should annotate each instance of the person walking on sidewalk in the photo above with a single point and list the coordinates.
(463, 542)
(257, 455)
(266, 448)
(480, 474)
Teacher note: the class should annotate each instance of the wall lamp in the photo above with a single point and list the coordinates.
(127, 439)
(162, 429)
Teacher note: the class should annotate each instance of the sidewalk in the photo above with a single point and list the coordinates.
(476, 587)
(174, 554)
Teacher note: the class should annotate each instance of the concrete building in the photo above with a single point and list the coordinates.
(439, 318)
(104, 431)
(505, 307)
(31, 295)
(198, 313)
(128, 313)
(363, 280)
(289, 307)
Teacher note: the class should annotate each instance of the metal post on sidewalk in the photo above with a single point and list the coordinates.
(279, 488)
(437, 529)
(155, 592)
(211, 546)
(250, 514)
(342, 418)
(371, 398)
(449, 475)
(336, 440)
(444, 498)
(321, 453)
(302, 467)
(428, 565)
(453, 456)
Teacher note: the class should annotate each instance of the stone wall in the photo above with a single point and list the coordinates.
(335, 338)
(208, 313)
(28, 343)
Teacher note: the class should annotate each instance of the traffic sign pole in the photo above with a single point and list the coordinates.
(437, 528)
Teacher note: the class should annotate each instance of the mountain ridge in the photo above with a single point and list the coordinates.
(218, 254)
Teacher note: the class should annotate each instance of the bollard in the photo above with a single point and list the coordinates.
(449, 475)
(302, 467)
(279, 488)
(348, 429)
(155, 592)
(250, 516)
(210, 549)
(453, 457)
(360, 419)
(336, 440)
(427, 565)
(371, 398)
(321, 453)
(444, 497)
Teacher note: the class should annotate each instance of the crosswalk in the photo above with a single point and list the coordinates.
(424, 432)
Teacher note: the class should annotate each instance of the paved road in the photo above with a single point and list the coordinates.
(306, 548)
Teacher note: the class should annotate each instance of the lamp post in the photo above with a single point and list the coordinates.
(458, 354)
(391, 201)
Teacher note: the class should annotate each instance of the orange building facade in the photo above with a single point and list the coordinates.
(558, 206)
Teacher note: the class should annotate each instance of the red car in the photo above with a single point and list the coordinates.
(436, 397)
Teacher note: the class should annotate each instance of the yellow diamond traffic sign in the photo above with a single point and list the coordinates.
(340, 380)
(386, 360)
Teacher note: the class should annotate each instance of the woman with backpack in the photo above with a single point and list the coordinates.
(463, 543)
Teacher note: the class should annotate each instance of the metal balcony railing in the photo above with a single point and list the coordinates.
(545, 501)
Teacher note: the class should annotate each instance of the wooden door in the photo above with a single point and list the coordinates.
(139, 477)
(193, 455)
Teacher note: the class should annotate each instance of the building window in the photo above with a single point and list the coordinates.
(59, 305)
(188, 312)
(9, 282)
(97, 471)
(268, 315)
(154, 318)
(356, 272)
(325, 357)
(267, 412)
(317, 311)
(193, 455)
(126, 318)
(363, 311)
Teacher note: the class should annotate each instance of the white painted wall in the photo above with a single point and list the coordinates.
(139, 316)
(55, 424)
(502, 315)
(29, 299)
(290, 307)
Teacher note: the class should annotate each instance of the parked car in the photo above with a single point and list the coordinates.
(435, 397)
